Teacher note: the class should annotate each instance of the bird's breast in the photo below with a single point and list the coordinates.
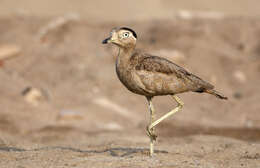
(126, 76)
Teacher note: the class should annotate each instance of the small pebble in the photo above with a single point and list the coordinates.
(240, 76)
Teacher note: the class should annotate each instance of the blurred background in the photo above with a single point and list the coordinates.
(117, 10)
(59, 86)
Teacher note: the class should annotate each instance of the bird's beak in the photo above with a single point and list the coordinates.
(107, 40)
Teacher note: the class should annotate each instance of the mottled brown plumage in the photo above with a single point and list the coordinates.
(149, 75)
(159, 76)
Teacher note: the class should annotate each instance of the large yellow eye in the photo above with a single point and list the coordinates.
(125, 34)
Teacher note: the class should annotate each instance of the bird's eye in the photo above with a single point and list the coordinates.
(125, 35)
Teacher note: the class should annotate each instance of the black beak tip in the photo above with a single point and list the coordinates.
(105, 41)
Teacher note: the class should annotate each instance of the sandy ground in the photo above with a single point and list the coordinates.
(86, 118)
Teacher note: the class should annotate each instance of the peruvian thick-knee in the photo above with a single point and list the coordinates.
(150, 75)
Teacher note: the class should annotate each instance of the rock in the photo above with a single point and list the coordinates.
(240, 76)
(33, 96)
(9, 51)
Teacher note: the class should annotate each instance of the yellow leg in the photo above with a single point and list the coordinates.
(153, 124)
(150, 132)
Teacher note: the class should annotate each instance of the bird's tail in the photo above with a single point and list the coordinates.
(217, 94)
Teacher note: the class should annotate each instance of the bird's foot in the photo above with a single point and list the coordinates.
(150, 133)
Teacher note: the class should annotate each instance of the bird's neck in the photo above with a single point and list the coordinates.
(124, 55)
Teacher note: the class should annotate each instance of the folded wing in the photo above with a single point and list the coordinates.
(162, 76)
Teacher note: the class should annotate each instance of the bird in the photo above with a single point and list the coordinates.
(150, 76)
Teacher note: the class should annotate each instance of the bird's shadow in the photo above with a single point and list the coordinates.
(115, 152)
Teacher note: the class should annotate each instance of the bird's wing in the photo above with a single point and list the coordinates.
(162, 65)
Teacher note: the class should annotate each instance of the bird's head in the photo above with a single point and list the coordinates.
(123, 37)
